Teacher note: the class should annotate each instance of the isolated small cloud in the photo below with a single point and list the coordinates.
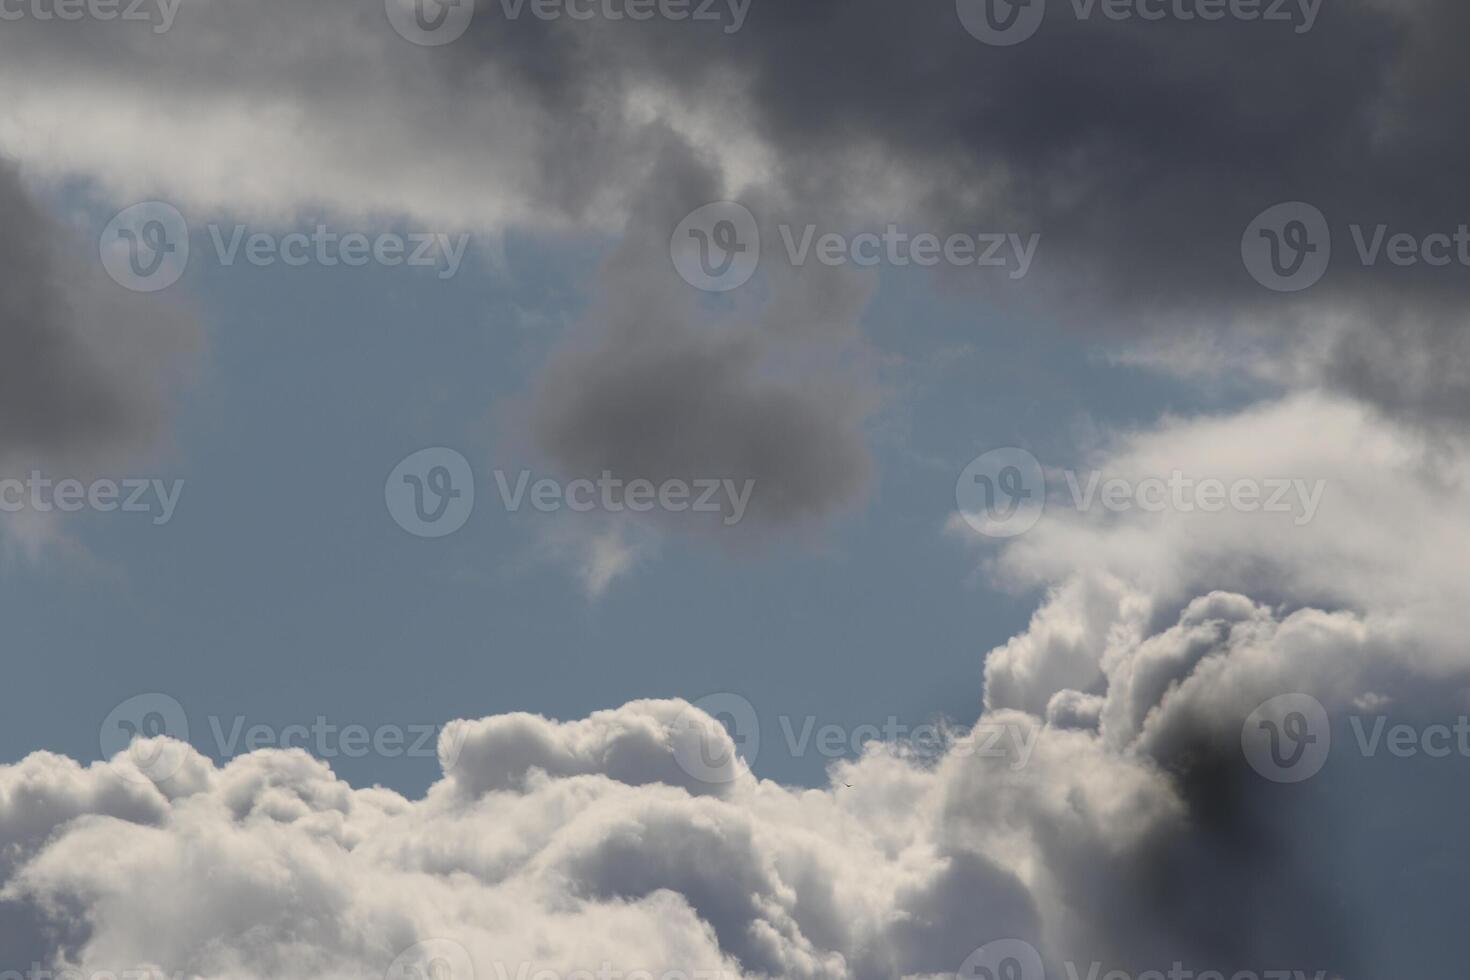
(88, 367)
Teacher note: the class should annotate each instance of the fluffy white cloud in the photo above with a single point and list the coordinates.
(636, 838)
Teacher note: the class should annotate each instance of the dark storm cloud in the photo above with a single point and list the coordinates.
(84, 364)
(1140, 150)
(51, 391)
(661, 389)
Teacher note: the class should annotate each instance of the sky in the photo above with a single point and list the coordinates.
(1051, 417)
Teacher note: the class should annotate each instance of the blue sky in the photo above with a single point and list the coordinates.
(282, 561)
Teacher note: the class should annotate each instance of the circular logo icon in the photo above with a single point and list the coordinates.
(1288, 738)
(1003, 959)
(1001, 22)
(1287, 248)
(431, 493)
(1002, 493)
(146, 247)
(430, 23)
(154, 732)
(432, 959)
(713, 734)
(717, 247)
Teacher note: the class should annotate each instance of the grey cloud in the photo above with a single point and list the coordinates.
(1140, 150)
(87, 366)
(658, 387)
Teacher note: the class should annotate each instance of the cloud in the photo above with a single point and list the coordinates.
(1134, 831)
(1139, 151)
(1384, 535)
(88, 367)
(1133, 834)
(768, 396)
(659, 392)
(88, 370)
(1136, 834)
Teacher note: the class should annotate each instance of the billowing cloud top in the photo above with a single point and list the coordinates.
(1106, 808)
